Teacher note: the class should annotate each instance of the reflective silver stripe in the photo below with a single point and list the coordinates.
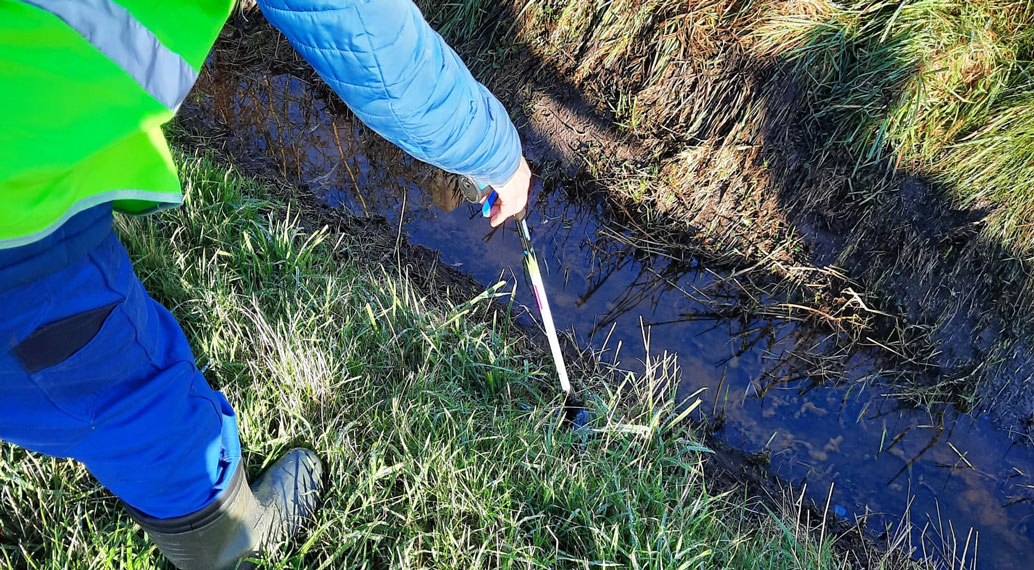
(118, 35)
(161, 200)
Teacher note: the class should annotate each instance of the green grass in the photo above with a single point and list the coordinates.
(942, 88)
(438, 428)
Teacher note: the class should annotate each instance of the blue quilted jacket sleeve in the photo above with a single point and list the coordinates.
(402, 80)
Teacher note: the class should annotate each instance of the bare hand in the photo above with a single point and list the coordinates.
(512, 197)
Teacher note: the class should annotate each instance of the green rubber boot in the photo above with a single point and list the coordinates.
(243, 521)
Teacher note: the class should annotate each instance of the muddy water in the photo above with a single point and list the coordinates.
(960, 481)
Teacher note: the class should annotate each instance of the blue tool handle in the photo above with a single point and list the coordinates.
(486, 209)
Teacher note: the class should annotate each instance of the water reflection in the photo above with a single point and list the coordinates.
(778, 387)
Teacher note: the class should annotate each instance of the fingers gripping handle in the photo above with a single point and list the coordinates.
(478, 194)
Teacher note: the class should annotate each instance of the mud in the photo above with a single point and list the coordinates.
(567, 131)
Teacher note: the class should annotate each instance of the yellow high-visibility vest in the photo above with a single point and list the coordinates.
(85, 86)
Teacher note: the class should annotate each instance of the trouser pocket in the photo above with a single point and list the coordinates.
(56, 342)
(75, 358)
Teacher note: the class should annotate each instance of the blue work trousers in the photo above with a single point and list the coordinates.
(94, 369)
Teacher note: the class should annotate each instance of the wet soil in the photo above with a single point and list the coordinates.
(566, 131)
(791, 399)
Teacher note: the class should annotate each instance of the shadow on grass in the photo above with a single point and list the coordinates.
(902, 236)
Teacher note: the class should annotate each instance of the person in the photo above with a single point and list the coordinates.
(91, 367)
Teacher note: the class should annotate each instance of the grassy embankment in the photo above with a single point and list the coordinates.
(782, 136)
(440, 434)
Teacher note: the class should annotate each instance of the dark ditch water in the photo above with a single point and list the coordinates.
(961, 481)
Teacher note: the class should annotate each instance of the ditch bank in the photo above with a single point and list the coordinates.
(714, 139)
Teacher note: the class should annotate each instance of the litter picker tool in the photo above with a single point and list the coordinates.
(531, 262)
(574, 411)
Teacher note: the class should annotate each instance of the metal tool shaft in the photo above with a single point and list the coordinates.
(539, 288)
(537, 285)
